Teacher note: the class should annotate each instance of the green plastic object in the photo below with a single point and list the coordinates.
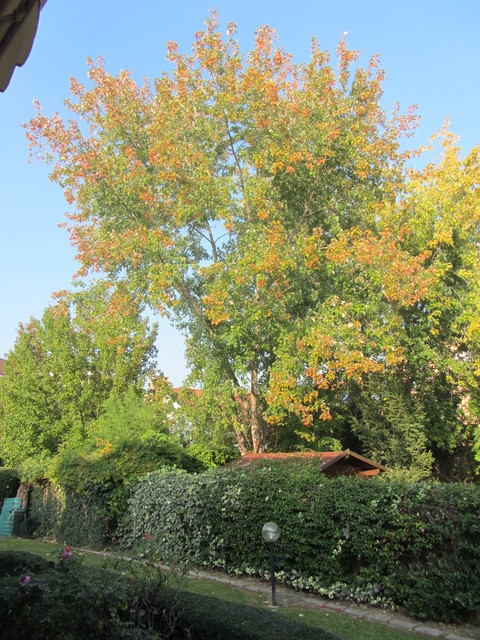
(10, 505)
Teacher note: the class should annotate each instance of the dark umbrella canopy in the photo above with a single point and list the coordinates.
(18, 26)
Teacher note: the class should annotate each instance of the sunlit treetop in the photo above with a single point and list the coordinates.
(266, 206)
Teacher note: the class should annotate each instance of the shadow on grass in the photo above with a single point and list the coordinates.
(208, 617)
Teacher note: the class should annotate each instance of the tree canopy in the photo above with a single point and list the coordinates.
(63, 369)
(270, 210)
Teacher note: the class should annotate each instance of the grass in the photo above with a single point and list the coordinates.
(341, 625)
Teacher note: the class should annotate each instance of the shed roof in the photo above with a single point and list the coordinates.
(328, 459)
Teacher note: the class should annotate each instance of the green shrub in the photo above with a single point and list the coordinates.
(17, 563)
(119, 460)
(68, 600)
(212, 457)
(41, 600)
(386, 543)
(93, 480)
(82, 520)
(9, 483)
(124, 444)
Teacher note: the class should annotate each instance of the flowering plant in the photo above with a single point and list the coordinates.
(67, 554)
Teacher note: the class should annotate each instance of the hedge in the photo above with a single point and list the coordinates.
(74, 519)
(393, 544)
(9, 483)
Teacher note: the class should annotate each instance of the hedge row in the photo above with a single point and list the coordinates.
(74, 519)
(9, 483)
(409, 545)
(413, 546)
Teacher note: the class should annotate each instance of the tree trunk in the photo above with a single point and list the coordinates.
(258, 432)
(256, 418)
(241, 440)
(252, 422)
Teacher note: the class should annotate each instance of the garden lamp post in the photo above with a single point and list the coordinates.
(271, 533)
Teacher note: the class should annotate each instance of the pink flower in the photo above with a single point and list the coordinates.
(24, 580)
(148, 537)
(67, 554)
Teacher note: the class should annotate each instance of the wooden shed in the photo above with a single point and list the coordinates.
(333, 463)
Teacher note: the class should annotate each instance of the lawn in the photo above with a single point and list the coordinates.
(340, 625)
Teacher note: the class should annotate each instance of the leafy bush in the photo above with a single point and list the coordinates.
(104, 467)
(20, 562)
(92, 498)
(386, 543)
(68, 600)
(9, 482)
(82, 520)
(126, 442)
(41, 600)
(212, 456)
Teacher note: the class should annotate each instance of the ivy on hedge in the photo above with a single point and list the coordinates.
(74, 519)
(409, 545)
(9, 483)
(88, 496)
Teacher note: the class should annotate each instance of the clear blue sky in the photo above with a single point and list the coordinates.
(430, 50)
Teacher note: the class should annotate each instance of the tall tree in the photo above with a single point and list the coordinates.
(63, 368)
(441, 210)
(217, 192)
(400, 333)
